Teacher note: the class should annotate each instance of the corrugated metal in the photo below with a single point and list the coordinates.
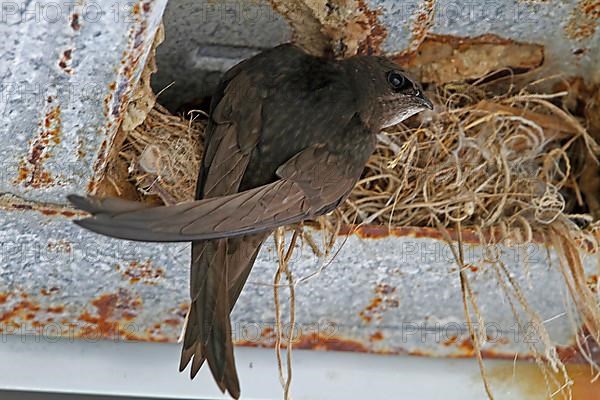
(66, 73)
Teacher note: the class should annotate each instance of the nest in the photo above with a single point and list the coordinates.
(510, 160)
(514, 156)
(163, 156)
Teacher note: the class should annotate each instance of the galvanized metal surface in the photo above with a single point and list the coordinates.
(397, 293)
(66, 72)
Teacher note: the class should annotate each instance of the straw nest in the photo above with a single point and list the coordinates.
(514, 156)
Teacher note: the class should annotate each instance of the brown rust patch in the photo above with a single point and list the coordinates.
(75, 25)
(312, 341)
(144, 272)
(23, 309)
(315, 341)
(12, 203)
(375, 31)
(56, 309)
(469, 236)
(384, 299)
(450, 341)
(443, 58)
(65, 61)
(60, 245)
(113, 313)
(592, 282)
(376, 336)
(572, 354)
(31, 169)
(583, 22)
(422, 24)
(173, 322)
(49, 292)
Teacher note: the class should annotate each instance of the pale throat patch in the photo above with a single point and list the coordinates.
(397, 117)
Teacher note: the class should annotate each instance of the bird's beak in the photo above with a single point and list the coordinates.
(424, 100)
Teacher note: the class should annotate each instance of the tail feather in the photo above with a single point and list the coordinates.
(219, 270)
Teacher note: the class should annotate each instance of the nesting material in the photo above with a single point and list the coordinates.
(163, 155)
(511, 160)
(514, 156)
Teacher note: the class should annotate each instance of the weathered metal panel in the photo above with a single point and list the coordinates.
(66, 72)
(384, 293)
(567, 29)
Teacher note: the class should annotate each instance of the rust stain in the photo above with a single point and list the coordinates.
(49, 292)
(469, 236)
(144, 272)
(172, 322)
(473, 268)
(75, 25)
(376, 32)
(337, 28)
(450, 341)
(56, 309)
(592, 282)
(572, 354)
(422, 24)
(23, 309)
(113, 311)
(376, 336)
(384, 299)
(583, 22)
(315, 341)
(31, 168)
(65, 61)
(312, 341)
(533, 384)
(61, 245)
(12, 203)
(445, 58)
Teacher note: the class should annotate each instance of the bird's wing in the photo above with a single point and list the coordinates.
(311, 183)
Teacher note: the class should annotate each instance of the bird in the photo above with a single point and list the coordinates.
(288, 137)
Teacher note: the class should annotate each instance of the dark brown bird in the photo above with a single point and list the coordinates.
(288, 137)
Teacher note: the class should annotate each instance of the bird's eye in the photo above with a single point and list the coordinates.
(397, 81)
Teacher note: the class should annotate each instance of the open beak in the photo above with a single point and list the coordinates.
(424, 100)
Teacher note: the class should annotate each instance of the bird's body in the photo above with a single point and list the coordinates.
(288, 137)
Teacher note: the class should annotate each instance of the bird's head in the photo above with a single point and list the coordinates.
(386, 94)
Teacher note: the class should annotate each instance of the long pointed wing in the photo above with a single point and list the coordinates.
(312, 183)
